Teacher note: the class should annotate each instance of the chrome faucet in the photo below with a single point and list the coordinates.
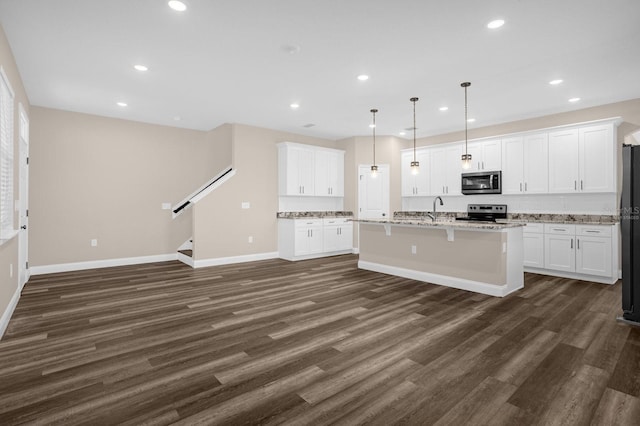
(434, 214)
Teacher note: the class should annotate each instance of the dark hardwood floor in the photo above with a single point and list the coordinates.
(313, 342)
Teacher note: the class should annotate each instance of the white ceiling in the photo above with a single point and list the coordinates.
(228, 61)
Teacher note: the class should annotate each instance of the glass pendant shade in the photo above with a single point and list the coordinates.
(415, 167)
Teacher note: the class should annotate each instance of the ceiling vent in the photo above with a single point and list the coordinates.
(309, 125)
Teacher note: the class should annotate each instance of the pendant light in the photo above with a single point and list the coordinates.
(415, 165)
(466, 157)
(374, 167)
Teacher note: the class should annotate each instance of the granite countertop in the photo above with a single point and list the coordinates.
(578, 219)
(442, 223)
(312, 215)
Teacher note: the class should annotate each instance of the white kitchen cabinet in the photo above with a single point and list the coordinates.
(593, 250)
(310, 171)
(582, 159)
(446, 170)
(415, 185)
(533, 239)
(485, 155)
(559, 252)
(596, 158)
(296, 174)
(308, 237)
(563, 161)
(337, 234)
(525, 164)
(329, 173)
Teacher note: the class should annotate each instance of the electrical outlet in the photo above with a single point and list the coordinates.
(414, 249)
(166, 206)
(94, 243)
(246, 204)
(250, 238)
(11, 270)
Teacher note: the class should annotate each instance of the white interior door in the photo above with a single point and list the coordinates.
(373, 192)
(23, 239)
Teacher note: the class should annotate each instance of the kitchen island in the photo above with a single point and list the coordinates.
(481, 257)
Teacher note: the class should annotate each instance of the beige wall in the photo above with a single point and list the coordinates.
(9, 250)
(103, 178)
(221, 226)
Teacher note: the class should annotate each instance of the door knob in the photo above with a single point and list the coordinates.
(23, 227)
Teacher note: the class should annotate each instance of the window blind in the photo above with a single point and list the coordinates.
(6, 158)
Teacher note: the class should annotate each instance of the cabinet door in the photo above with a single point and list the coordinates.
(536, 164)
(513, 171)
(302, 245)
(315, 239)
(408, 180)
(563, 161)
(422, 180)
(345, 237)
(302, 166)
(453, 170)
(475, 149)
(559, 252)
(336, 174)
(593, 255)
(322, 186)
(596, 159)
(438, 171)
(533, 250)
(491, 155)
(331, 238)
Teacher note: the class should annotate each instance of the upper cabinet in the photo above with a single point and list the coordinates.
(446, 170)
(415, 185)
(582, 159)
(485, 155)
(307, 170)
(525, 164)
(329, 173)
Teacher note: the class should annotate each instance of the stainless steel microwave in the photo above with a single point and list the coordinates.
(482, 183)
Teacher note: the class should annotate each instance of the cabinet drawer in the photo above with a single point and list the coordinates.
(559, 229)
(594, 230)
(307, 222)
(328, 221)
(534, 228)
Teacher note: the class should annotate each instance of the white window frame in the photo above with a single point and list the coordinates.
(7, 203)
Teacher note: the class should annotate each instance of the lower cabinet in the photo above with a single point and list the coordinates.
(533, 239)
(300, 239)
(588, 252)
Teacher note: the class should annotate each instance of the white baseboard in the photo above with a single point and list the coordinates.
(6, 315)
(356, 250)
(93, 264)
(581, 277)
(234, 259)
(186, 259)
(459, 283)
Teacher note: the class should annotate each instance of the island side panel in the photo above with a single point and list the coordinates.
(474, 256)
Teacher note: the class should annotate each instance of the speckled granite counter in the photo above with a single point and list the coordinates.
(521, 217)
(307, 215)
(443, 223)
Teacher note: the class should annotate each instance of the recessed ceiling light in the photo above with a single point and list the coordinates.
(444, 108)
(294, 106)
(402, 133)
(555, 82)
(122, 104)
(372, 125)
(177, 118)
(363, 77)
(497, 23)
(574, 99)
(141, 67)
(471, 120)
(177, 5)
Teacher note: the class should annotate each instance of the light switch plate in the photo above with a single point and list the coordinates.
(166, 206)
(246, 204)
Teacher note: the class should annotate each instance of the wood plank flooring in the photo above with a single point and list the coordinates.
(313, 342)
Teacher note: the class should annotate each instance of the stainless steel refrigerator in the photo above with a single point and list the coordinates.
(630, 228)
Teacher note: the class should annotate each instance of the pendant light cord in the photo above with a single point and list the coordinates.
(414, 127)
(374, 136)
